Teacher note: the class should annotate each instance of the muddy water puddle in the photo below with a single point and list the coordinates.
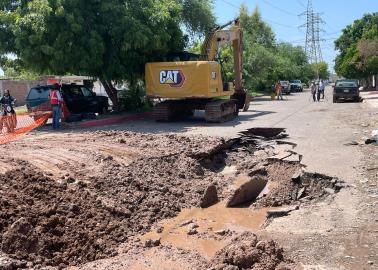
(199, 229)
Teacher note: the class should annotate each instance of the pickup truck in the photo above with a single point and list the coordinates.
(79, 101)
(346, 89)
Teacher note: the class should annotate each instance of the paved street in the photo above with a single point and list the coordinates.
(341, 234)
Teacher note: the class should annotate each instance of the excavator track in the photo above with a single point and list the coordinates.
(219, 111)
(163, 111)
(171, 110)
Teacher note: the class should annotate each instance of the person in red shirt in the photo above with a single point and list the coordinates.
(278, 88)
(56, 105)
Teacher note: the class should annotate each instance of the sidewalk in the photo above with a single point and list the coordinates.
(370, 98)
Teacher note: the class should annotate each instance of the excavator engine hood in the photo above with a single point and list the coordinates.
(189, 79)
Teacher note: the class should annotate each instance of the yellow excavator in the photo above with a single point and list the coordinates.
(190, 85)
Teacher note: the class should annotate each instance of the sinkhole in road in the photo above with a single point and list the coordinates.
(192, 200)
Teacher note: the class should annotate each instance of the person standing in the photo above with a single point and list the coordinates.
(279, 90)
(313, 91)
(322, 88)
(7, 101)
(56, 105)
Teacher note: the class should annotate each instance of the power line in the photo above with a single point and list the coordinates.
(273, 22)
(300, 2)
(277, 23)
(230, 4)
(280, 9)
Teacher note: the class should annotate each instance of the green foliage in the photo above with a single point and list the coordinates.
(255, 29)
(358, 46)
(134, 99)
(321, 70)
(13, 68)
(267, 61)
(197, 15)
(108, 39)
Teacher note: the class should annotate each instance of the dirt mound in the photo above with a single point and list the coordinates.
(247, 251)
(287, 185)
(158, 144)
(61, 223)
(21, 237)
(124, 185)
(51, 224)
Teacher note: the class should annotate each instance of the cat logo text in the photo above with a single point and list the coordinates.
(174, 78)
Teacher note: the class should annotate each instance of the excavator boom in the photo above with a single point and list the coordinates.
(220, 37)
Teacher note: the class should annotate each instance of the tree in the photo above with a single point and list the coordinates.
(109, 39)
(255, 29)
(358, 46)
(321, 70)
(265, 60)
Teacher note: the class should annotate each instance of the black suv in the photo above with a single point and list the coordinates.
(79, 99)
(346, 89)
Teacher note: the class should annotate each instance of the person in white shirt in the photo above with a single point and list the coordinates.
(321, 88)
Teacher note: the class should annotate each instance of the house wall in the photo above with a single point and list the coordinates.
(18, 89)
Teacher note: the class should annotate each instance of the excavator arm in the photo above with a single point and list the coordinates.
(220, 37)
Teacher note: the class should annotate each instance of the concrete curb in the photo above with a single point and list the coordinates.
(370, 98)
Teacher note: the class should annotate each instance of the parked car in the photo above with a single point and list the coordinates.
(79, 99)
(346, 89)
(285, 87)
(296, 86)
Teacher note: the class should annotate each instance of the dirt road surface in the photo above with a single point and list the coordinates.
(128, 196)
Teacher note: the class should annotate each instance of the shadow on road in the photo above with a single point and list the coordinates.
(148, 125)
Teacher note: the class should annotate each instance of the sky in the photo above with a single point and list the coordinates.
(282, 16)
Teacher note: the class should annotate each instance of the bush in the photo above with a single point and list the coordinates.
(134, 99)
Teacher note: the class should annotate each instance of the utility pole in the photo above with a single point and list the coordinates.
(313, 29)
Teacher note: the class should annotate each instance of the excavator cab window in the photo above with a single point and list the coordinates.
(182, 56)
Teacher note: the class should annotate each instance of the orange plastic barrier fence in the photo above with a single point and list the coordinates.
(11, 127)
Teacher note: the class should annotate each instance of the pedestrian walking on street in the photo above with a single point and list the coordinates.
(322, 88)
(313, 90)
(56, 105)
(278, 88)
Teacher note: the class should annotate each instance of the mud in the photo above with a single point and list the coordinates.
(289, 185)
(104, 190)
(248, 251)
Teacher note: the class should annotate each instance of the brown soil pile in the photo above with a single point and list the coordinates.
(247, 251)
(152, 145)
(72, 221)
(52, 224)
(124, 183)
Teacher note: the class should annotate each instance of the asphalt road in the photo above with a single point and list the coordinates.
(314, 126)
(337, 234)
(341, 234)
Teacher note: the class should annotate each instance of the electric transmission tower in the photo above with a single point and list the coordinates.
(313, 28)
